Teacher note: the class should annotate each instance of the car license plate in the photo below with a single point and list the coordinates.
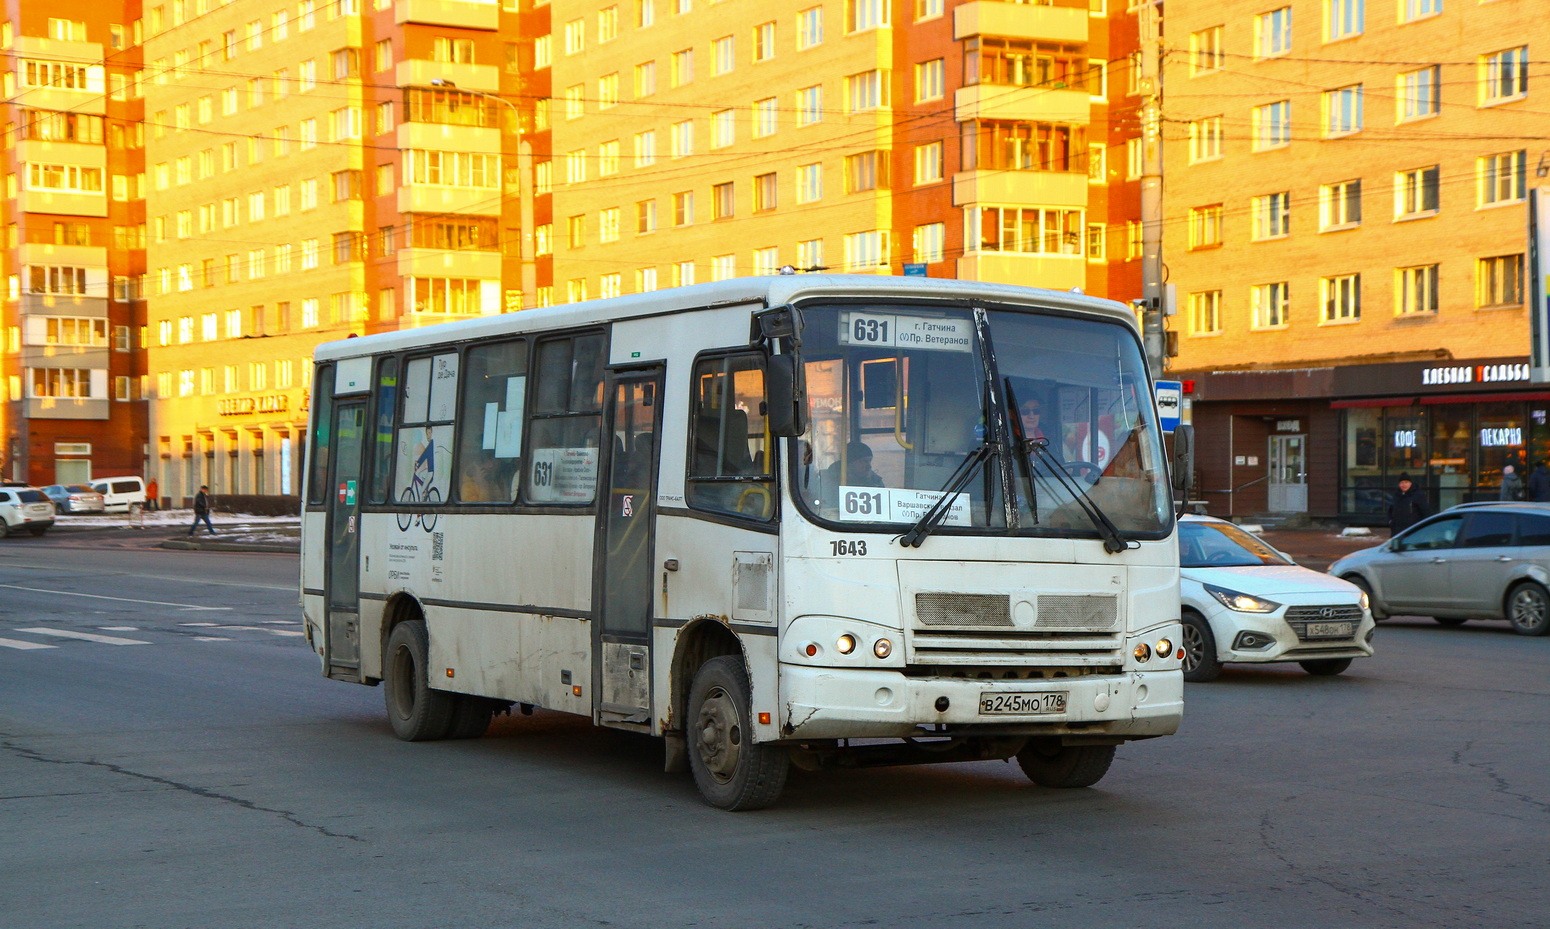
(1004, 704)
(1329, 630)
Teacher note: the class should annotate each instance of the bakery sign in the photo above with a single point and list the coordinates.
(1474, 374)
(247, 406)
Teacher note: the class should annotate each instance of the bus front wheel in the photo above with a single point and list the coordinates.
(732, 771)
(1050, 764)
(418, 713)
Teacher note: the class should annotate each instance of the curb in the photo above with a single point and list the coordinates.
(271, 547)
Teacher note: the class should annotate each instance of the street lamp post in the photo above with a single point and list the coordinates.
(529, 273)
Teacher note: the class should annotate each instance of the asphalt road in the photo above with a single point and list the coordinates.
(211, 778)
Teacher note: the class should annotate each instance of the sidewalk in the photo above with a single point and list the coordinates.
(234, 532)
(1318, 548)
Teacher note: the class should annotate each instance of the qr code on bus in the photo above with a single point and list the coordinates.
(436, 540)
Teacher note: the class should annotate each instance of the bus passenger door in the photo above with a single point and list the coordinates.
(622, 595)
(341, 638)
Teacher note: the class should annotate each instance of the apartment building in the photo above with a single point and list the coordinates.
(71, 405)
(271, 174)
(1346, 230)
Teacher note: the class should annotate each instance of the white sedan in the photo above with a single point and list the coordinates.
(1245, 601)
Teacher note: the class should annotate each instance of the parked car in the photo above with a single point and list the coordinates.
(119, 492)
(1477, 560)
(25, 509)
(73, 498)
(1245, 601)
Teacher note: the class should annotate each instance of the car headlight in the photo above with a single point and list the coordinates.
(1242, 602)
(1366, 601)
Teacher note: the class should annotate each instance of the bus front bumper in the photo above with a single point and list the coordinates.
(830, 703)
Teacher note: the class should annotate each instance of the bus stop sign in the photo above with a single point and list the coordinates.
(1170, 398)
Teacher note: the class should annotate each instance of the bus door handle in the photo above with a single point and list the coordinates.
(670, 564)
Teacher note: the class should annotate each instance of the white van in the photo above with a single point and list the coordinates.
(119, 492)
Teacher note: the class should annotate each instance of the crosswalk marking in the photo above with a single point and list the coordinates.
(17, 643)
(84, 636)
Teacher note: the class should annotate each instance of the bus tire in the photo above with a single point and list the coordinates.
(732, 771)
(418, 713)
(470, 717)
(1050, 764)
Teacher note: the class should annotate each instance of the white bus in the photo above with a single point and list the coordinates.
(810, 520)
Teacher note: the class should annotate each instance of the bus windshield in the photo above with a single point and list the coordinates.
(900, 397)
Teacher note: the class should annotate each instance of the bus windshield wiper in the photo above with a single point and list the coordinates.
(959, 479)
(1113, 542)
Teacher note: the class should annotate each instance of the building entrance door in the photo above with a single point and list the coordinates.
(1288, 474)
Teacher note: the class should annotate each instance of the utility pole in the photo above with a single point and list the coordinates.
(1149, 17)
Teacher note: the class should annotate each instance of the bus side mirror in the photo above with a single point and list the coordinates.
(787, 396)
(1183, 469)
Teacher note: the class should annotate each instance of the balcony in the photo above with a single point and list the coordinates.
(1043, 188)
(418, 72)
(435, 198)
(91, 97)
(1020, 20)
(1004, 102)
(65, 408)
(466, 14)
(439, 262)
(446, 138)
(1056, 272)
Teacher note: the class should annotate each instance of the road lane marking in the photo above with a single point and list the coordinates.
(17, 643)
(212, 638)
(84, 636)
(264, 629)
(71, 593)
(119, 628)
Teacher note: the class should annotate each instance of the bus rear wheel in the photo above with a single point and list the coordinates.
(1050, 764)
(732, 771)
(418, 713)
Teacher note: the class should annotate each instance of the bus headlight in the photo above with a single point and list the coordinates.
(1143, 653)
(1164, 648)
(845, 644)
(882, 648)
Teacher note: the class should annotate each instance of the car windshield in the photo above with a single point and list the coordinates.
(1222, 545)
(899, 397)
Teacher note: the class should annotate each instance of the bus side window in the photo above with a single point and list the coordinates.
(322, 435)
(730, 470)
(490, 444)
(385, 411)
(422, 470)
(566, 422)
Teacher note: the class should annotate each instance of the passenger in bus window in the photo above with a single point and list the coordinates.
(855, 470)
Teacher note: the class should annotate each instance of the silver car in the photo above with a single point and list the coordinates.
(74, 498)
(1474, 561)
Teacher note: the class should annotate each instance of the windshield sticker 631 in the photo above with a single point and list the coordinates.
(897, 505)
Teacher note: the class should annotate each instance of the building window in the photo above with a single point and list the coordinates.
(1415, 290)
(1025, 230)
(682, 71)
(1205, 312)
(723, 204)
(765, 117)
(1499, 281)
(575, 36)
(1205, 50)
(1273, 33)
(810, 105)
(608, 225)
(683, 274)
(764, 42)
(1504, 75)
(1097, 248)
(930, 80)
(645, 148)
(764, 192)
(723, 55)
(1411, 10)
(866, 250)
(1135, 240)
(866, 14)
(683, 208)
(1343, 110)
(866, 171)
(608, 91)
(928, 163)
(810, 255)
(1205, 143)
(576, 231)
(1205, 226)
(645, 217)
(930, 242)
(1340, 205)
(809, 27)
(723, 267)
(607, 24)
(683, 138)
(610, 285)
(1271, 216)
(722, 128)
(1502, 178)
(866, 91)
(1415, 192)
(645, 280)
(1269, 305)
(1342, 296)
(608, 158)
(575, 101)
(1272, 125)
(809, 182)
(1420, 93)
(645, 79)
(1343, 18)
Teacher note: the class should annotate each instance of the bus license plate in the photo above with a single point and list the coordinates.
(1329, 630)
(998, 704)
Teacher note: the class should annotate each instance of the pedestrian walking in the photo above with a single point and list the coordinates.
(201, 511)
(1512, 485)
(1407, 508)
(152, 495)
(1539, 483)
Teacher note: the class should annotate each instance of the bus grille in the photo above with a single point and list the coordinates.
(1066, 630)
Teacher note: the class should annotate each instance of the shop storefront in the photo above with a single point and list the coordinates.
(1347, 435)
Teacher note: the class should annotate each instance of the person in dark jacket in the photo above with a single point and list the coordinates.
(202, 510)
(1407, 508)
(1539, 484)
(1512, 485)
